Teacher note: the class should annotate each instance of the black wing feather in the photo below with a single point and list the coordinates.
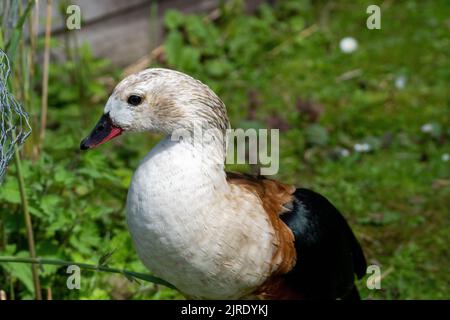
(328, 254)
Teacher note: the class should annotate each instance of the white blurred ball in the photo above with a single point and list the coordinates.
(344, 152)
(362, 147)
(348, 45)
(400, 82)
(427, 128)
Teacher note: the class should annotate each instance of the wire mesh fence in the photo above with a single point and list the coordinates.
(14, 123)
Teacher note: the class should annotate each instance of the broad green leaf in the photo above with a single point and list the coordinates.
(9, 191)
(173, 19)
(20, 271)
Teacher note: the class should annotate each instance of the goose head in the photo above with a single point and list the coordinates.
(160, 101)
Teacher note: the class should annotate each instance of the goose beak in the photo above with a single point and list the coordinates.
(104, 130)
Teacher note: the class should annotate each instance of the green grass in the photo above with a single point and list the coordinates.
(396, 197)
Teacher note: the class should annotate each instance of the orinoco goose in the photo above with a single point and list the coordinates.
(219, 235)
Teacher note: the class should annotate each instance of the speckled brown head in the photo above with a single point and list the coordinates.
(161, 101)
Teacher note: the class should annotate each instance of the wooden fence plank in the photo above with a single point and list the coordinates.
(121, 30)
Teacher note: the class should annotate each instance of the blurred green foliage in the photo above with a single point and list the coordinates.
(280, 68)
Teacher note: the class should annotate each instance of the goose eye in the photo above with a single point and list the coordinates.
(134, 100)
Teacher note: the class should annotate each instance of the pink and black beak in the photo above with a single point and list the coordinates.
(104, 130)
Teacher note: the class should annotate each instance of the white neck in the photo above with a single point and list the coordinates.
(186, 166)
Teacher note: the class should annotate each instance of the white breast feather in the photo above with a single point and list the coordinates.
(209, 239)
